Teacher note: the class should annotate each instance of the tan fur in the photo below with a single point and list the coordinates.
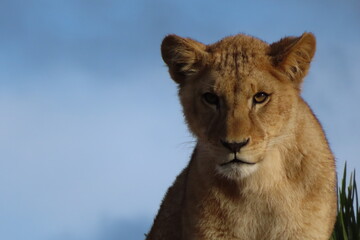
(290, 190)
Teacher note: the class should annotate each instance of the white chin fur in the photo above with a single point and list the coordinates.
(236, 171)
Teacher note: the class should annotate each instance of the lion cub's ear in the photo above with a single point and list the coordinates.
(185, 57)
(292, 56)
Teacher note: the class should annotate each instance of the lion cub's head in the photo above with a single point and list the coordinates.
(239, 95)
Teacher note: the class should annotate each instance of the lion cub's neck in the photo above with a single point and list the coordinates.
(212, 201)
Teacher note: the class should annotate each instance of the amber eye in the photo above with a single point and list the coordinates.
(260, 97)
(211, 98)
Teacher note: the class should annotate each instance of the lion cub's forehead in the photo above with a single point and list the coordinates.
(237, 59)
(238, 54)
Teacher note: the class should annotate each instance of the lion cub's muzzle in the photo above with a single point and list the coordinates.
(235, 148)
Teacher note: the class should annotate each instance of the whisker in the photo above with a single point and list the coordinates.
(187, 144)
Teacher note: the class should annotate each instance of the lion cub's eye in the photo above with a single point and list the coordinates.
(211, 98)
(260, 97)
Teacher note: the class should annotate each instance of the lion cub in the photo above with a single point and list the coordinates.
(262, 168)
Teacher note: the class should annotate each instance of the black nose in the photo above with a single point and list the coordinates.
(234, 146)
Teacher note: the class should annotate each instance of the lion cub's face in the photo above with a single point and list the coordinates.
(239, 96)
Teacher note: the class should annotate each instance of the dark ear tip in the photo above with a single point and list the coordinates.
(167, 45)
(170, 40)
(170, 37)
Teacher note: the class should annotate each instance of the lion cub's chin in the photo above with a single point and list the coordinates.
(237, 169)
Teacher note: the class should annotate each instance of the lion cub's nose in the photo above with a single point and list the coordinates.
(234, 146)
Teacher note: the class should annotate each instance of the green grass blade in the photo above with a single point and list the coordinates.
(347, 226)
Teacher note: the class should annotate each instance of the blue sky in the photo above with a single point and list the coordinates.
(91, 129)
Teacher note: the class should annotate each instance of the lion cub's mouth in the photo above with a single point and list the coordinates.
(237, 161)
